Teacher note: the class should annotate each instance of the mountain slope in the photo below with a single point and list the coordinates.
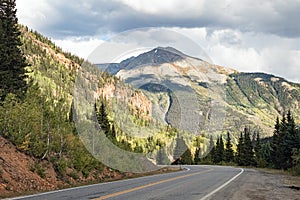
(253, 99)
(166, 88)
(40, 147)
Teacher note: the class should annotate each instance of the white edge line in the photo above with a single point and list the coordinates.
(85, 186)
(222, 186)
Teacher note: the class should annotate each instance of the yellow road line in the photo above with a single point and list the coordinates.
(149, 185)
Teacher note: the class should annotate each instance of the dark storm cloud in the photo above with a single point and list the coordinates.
(92, 17)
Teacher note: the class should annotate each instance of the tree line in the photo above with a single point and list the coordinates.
(281, 151)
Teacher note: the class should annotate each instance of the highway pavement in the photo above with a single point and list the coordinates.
(195, 182)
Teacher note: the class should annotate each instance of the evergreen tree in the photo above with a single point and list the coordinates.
(218, 155)
(221, 149)
(229, 156)
(12, 61)
(209, 155)
(276, 153)
(266, 152)
(285, 139)
(248, 149)
(198, 150)
(197, 156)
(240, 150)
(289, 142)
(258, 151)
(213, 155)
(103, 119)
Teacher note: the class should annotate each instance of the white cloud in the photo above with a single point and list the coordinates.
(173, 7)
(79, 46)
(249, 52)
(248, 35)
(246, 52)
(36, 14)
(282, 62)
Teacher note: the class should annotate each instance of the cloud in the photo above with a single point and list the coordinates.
(36, 14)
(248, 35)
(90, 17)
(248, 51)
(83, 47)
(138, 40)
(167, 7)
(282, 62)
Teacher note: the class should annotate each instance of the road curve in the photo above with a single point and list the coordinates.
(198, 182)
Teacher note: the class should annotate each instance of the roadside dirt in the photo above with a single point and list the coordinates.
(17, 177)
(15, 174)
(261, 185)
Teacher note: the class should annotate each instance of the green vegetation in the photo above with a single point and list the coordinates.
(229, 153)
(255, 98)
(12, 61)
(281, 151)
(37, 113)
(285, 143)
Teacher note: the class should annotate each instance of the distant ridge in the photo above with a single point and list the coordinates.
(253, 99)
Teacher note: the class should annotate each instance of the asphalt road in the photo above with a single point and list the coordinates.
(197, 182)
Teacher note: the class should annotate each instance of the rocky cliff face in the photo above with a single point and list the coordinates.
(136, 99)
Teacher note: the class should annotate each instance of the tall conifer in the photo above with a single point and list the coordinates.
(12, 61)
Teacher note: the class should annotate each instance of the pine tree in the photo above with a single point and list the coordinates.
(103, 119)
(266, 152)
(12, 61)
(289, 142)
(258, 151)
(248, 149)
(197, 156)
(213, 154)
(229, 156)
(276, 145)
(219, 151)
(216, 155)
(240, 150)
(197, 153)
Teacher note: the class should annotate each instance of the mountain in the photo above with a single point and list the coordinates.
(164, 87)
(157, 56)
(219, 98)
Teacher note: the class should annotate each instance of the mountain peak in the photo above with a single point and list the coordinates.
(168, 49)
(155, 57)
(160, 55)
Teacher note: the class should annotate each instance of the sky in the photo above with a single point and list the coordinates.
(248, 35)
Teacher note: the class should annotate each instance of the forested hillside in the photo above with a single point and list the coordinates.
(36, 127)
(42, 150)
(260, 97)
(36, 117)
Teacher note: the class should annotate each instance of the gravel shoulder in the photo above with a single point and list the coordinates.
(261, 185)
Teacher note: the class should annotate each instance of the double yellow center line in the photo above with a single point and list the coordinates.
(149, 185)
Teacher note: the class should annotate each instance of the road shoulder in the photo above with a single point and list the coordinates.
(261, 184)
